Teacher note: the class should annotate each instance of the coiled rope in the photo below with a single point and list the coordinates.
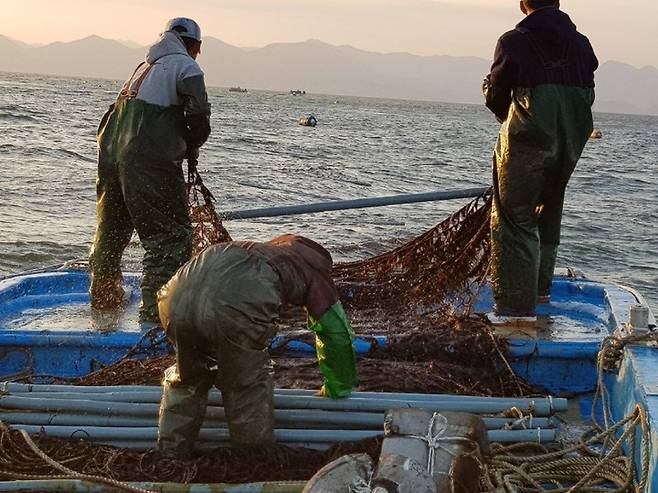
(590, 466)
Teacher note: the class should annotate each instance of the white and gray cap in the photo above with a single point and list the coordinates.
(185, 27)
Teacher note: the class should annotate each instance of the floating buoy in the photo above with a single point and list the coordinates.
(596, 134)
(308, 121)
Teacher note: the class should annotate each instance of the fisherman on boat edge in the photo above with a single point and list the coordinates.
(160, 117)
(541, 88)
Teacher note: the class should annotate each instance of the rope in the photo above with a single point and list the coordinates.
(434, 440)
(524, 420)
(69, 473)
(360, 485)
(580, 468)
(609, 358)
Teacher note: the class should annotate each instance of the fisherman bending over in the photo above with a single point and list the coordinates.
(219, 311)
(160, 117)
(541, 88)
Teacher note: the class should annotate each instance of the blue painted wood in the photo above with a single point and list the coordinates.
(632, 385)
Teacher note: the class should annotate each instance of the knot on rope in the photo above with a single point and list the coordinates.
(523, 420)
(360, 485)
(612, 348)
(434, 440)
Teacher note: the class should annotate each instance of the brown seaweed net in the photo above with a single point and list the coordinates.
(271, 463)
(463, 357)
(437, 271)
(207, 227)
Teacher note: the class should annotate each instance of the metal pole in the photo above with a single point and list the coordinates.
(296, 419)
(486, 405)
(221, 435)
(337, 205)
(152, 394)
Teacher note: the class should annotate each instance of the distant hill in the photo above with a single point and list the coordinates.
(319, 67)
(88, 57)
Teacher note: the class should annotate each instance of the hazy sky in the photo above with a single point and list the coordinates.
(619, 29)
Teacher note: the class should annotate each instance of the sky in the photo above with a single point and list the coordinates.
(423, 27)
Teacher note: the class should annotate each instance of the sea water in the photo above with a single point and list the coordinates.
(258, 156)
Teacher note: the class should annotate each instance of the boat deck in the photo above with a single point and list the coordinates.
(47, 328)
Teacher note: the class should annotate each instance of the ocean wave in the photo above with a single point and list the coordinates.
(9, 117)
(76, 155)
(352, 180)
(19, 108)
(258, 186)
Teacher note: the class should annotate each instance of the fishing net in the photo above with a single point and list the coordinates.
(266, 463)
(439, 271)
(461, 357)
(436, 272)
(207, 227)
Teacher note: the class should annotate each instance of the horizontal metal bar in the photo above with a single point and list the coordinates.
(281, 417)
(153, 396)
(151, 393)
(221, 435)
(557, 403)
(97, 433)
(291, 418)
(336, 205)
(480, 406)
(143, 445)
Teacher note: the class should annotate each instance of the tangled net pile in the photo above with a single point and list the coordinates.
(439, 270)
(463, 357)
(83, 460)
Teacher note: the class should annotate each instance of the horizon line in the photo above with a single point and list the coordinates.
(139, 46)
(284, 91)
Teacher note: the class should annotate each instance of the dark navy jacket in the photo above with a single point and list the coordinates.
(545, 48)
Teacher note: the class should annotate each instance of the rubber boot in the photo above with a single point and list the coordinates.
(182, 410)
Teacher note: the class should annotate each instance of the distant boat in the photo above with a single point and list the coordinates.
(237, 89)
(596, 134)
(297, 92)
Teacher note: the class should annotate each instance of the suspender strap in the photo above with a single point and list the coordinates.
(132, 89)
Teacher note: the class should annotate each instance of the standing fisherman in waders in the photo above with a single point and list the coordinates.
(541, 88)
(219, 311)
(161, 116)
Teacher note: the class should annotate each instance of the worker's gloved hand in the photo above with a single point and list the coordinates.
(192, 160)
(192, 153)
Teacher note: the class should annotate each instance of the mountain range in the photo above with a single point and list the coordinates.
(318, 67)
